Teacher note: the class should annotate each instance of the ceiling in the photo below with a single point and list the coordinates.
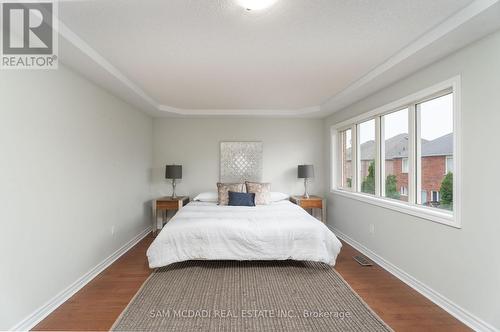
(200, 57)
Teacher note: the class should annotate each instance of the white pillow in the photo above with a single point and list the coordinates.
(277, 196)
(209, 196)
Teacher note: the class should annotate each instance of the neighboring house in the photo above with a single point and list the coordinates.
(437, 161)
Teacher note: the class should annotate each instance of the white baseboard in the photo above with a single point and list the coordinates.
(38, 315)
(453, 309)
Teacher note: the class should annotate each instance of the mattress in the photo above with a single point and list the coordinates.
(279, 231)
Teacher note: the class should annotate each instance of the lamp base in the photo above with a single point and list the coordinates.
(174, 196)
(306, 194)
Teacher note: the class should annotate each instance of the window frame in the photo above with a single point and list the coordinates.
(376, 160)
(449, 218)
(339, 164)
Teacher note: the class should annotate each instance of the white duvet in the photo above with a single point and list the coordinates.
(279, 231)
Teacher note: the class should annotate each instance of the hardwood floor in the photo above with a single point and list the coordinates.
(98, 304)
(399, 305)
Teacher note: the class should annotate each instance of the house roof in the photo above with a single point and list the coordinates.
(441, 146)
(397, 147)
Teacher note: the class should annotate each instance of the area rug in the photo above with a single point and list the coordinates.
(247, 296)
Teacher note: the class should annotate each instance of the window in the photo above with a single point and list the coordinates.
(346, 151)
(395, 160)
(435, 197)
(402, 156)
(404, 191)
(449, 164)
(435, 129)
(366, 162)
(423, 196)
(404, 165)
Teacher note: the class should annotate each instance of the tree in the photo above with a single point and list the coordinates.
(368, 185)
(446, 191)
(391, 189)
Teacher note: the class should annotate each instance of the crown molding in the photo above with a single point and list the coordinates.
(339, 101)
(79, 43)
(352, 93)
(301, 112)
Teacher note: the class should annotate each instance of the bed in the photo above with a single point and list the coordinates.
(278, 231)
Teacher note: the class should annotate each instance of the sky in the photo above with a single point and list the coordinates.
(437, 117)
(436, 121)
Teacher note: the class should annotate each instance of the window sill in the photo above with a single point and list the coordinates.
(442, 217)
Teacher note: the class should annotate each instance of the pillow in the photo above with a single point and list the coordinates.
(241, 199)
(209, 196)
(224, 188)
(262, 192)
(277, 196)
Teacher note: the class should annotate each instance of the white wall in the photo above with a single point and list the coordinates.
(194, 143)
(74, 162)
(458, 263)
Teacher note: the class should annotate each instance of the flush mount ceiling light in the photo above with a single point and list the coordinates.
(256, 4)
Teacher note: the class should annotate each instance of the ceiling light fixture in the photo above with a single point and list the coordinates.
(256, 4)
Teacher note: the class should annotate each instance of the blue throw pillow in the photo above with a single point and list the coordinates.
(241, 199)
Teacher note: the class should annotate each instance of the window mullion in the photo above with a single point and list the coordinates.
(378, 156)
(418, 156)
(382, 157)
(337, 163)
(413, 144)
(356, 184)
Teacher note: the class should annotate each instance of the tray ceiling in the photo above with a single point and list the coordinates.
(206, 57)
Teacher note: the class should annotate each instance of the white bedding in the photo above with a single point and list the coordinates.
(279, 231)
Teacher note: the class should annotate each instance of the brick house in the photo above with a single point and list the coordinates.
(437, 161)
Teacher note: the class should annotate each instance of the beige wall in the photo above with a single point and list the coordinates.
(194, 143)
(74, 163)
(457, 263)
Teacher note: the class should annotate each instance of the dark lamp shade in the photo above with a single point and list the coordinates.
(305, 171)
(173, 172)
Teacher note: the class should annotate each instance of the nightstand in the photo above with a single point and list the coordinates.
(311, 203)
(162, 205)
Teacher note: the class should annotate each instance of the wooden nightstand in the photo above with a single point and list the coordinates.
(313, 202)
(162, 205)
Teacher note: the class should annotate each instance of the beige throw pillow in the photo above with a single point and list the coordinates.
(262, 192)
(223, 190)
